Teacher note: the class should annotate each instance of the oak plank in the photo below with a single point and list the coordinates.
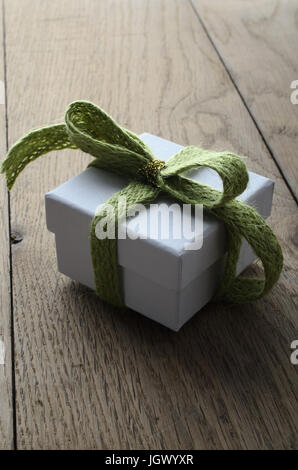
(89, 376)
(258, 40)
(6, 412)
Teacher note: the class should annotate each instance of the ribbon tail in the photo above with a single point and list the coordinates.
(104, 235)
(243, 221)
(32, 146)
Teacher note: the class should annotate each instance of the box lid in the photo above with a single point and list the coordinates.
(165, 261)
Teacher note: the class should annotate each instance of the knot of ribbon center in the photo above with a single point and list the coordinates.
(151, 171)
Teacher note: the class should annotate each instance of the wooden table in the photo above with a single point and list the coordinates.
(79, 374)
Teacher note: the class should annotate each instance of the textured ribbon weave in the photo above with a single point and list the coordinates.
(116, 149)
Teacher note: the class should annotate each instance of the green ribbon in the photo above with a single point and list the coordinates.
(116, 149)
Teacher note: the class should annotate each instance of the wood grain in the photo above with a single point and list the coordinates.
(258, 42)
(89, 376)
(6, 413)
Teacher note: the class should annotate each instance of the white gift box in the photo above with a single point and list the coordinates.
(159, 277)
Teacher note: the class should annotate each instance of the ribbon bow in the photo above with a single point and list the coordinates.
(116, 149)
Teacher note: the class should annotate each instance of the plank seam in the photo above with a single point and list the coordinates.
(267, 145)
(12, 332)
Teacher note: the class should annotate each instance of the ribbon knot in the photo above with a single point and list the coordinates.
(119, 150)
(151, 171)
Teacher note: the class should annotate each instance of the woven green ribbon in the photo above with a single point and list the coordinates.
(116, 149)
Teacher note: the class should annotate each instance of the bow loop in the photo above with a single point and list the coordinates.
(230, 167)
(114, 148)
